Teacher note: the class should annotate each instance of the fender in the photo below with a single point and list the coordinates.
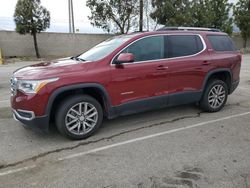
(60, 90)
(209, 74)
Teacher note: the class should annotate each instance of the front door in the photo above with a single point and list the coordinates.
(138, 82)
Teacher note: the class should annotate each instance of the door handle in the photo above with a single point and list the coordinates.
(161, 67)
(206, 62)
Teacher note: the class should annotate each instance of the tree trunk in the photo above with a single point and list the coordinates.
(141, 16)
(35, 44)
(244, 42)
(122, 30)
(128, 26)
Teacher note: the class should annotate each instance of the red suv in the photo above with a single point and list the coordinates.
(127, 74)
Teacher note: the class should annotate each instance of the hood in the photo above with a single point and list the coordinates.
(51, 69)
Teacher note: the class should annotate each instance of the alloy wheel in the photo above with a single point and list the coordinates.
(216, 96)
(81, 118)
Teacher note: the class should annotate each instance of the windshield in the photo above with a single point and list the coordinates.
(103, 49)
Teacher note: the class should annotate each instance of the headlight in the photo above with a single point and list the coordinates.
(33, 86)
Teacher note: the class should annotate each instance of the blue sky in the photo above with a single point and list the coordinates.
(59, 15)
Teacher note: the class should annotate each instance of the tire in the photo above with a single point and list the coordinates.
(215, 96)
(75, 119)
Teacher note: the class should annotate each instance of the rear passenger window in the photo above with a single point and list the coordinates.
(221, 43)
(183, 45)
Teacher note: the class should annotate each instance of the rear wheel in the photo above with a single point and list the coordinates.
(215, 96)
(78, 117)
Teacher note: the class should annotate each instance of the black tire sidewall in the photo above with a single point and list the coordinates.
(204, 102)
(66, 105)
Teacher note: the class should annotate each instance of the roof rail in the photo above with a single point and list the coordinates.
(188, 29)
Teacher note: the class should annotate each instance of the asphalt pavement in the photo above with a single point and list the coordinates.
(180, 147)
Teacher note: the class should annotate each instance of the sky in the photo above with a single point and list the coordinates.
(59, 15)
(58, 12)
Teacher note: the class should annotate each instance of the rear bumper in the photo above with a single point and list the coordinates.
(234, 86)
(29, 120)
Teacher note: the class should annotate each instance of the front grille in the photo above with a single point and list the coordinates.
(13, 86)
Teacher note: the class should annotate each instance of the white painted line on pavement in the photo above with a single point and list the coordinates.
(16, 170)
(151, 136)
(4, 100)
(127, 142)
(244, 88)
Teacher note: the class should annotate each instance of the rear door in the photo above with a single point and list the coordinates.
(188, 64)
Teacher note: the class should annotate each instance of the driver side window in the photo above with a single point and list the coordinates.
(146, 49)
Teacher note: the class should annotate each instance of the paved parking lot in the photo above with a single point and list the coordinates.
(171, 148)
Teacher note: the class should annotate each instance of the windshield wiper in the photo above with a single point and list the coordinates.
(77, 58)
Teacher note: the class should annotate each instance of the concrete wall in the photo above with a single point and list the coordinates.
(239, 42)
(50, 44)
(58, 44)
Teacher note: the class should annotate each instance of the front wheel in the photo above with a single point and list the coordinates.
(215, 96)
(78, 117)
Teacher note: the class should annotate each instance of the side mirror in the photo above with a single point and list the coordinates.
(125, 58)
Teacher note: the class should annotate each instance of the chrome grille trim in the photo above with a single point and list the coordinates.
(24, 118)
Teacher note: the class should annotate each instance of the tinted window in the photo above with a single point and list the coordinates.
(183, 45)
(150, 48)
(221, 43)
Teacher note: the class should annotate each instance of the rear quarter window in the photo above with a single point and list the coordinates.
(221, 43)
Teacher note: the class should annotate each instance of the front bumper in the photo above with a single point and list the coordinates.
(29, 120)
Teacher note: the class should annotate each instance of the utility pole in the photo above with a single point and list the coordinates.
(71, 17)
(69, 5)
(141, 16)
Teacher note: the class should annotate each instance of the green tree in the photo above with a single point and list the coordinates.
(172, 12)
(113, 14)
(201, 13)
(214, 14)
(242, 18)
(31, 17)
(196, 13)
